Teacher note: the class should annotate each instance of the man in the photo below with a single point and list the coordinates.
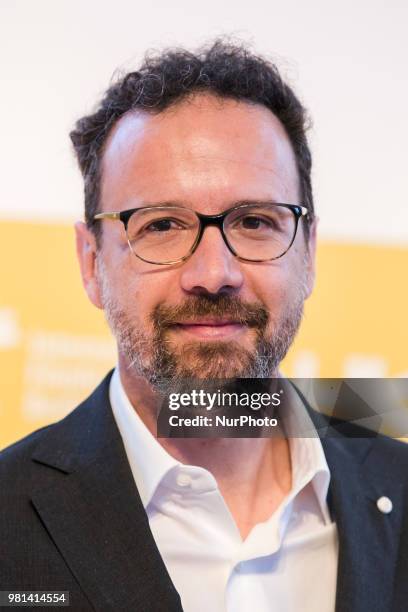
(199, 246)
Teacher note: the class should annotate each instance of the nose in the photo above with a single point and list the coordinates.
(212, 268)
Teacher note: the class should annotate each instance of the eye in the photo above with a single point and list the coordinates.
(255, 222)
(252, 222)
(163, 225)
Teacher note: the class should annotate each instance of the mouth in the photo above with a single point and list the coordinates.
(211, 329)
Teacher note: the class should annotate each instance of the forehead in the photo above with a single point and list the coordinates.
(204, 152)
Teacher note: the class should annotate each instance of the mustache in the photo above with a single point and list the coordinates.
(251, 314)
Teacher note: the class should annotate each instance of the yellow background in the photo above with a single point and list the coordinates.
(55, 346)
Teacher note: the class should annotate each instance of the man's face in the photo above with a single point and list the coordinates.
(211, 316)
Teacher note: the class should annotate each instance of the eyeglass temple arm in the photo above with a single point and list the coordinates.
(107, 215)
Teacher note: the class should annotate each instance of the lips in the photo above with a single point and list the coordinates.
(210, 328)
(209, 322)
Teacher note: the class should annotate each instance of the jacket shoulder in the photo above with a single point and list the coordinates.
(16, 459)
(12, 457)
(393, 452)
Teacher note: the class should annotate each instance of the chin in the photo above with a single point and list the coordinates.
(215, 360)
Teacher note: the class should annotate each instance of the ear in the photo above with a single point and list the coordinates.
(86, 253)
(310, 257)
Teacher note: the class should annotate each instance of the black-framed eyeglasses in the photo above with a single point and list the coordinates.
(168, 234)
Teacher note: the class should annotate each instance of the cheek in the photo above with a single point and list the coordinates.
(143, 294)
(277, 286)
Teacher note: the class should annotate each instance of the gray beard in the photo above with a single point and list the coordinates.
(165, 368)
(154, 358)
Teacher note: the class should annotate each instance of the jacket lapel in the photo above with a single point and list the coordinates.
(368, 538)
(93, 512)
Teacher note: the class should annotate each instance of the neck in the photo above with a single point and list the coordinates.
(253, 474)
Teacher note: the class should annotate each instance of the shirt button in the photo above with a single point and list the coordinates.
(183, 480)
(384, 504)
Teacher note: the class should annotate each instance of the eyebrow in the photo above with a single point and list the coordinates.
(244, 202)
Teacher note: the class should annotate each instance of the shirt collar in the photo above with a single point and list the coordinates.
(148, 460)
(151, 463)
(307, 456)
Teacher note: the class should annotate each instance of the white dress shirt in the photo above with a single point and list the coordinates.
(287, 563)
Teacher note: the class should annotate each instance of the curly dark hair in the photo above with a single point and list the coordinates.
(225, 69)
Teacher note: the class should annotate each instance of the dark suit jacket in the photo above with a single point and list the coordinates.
(72, 519)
